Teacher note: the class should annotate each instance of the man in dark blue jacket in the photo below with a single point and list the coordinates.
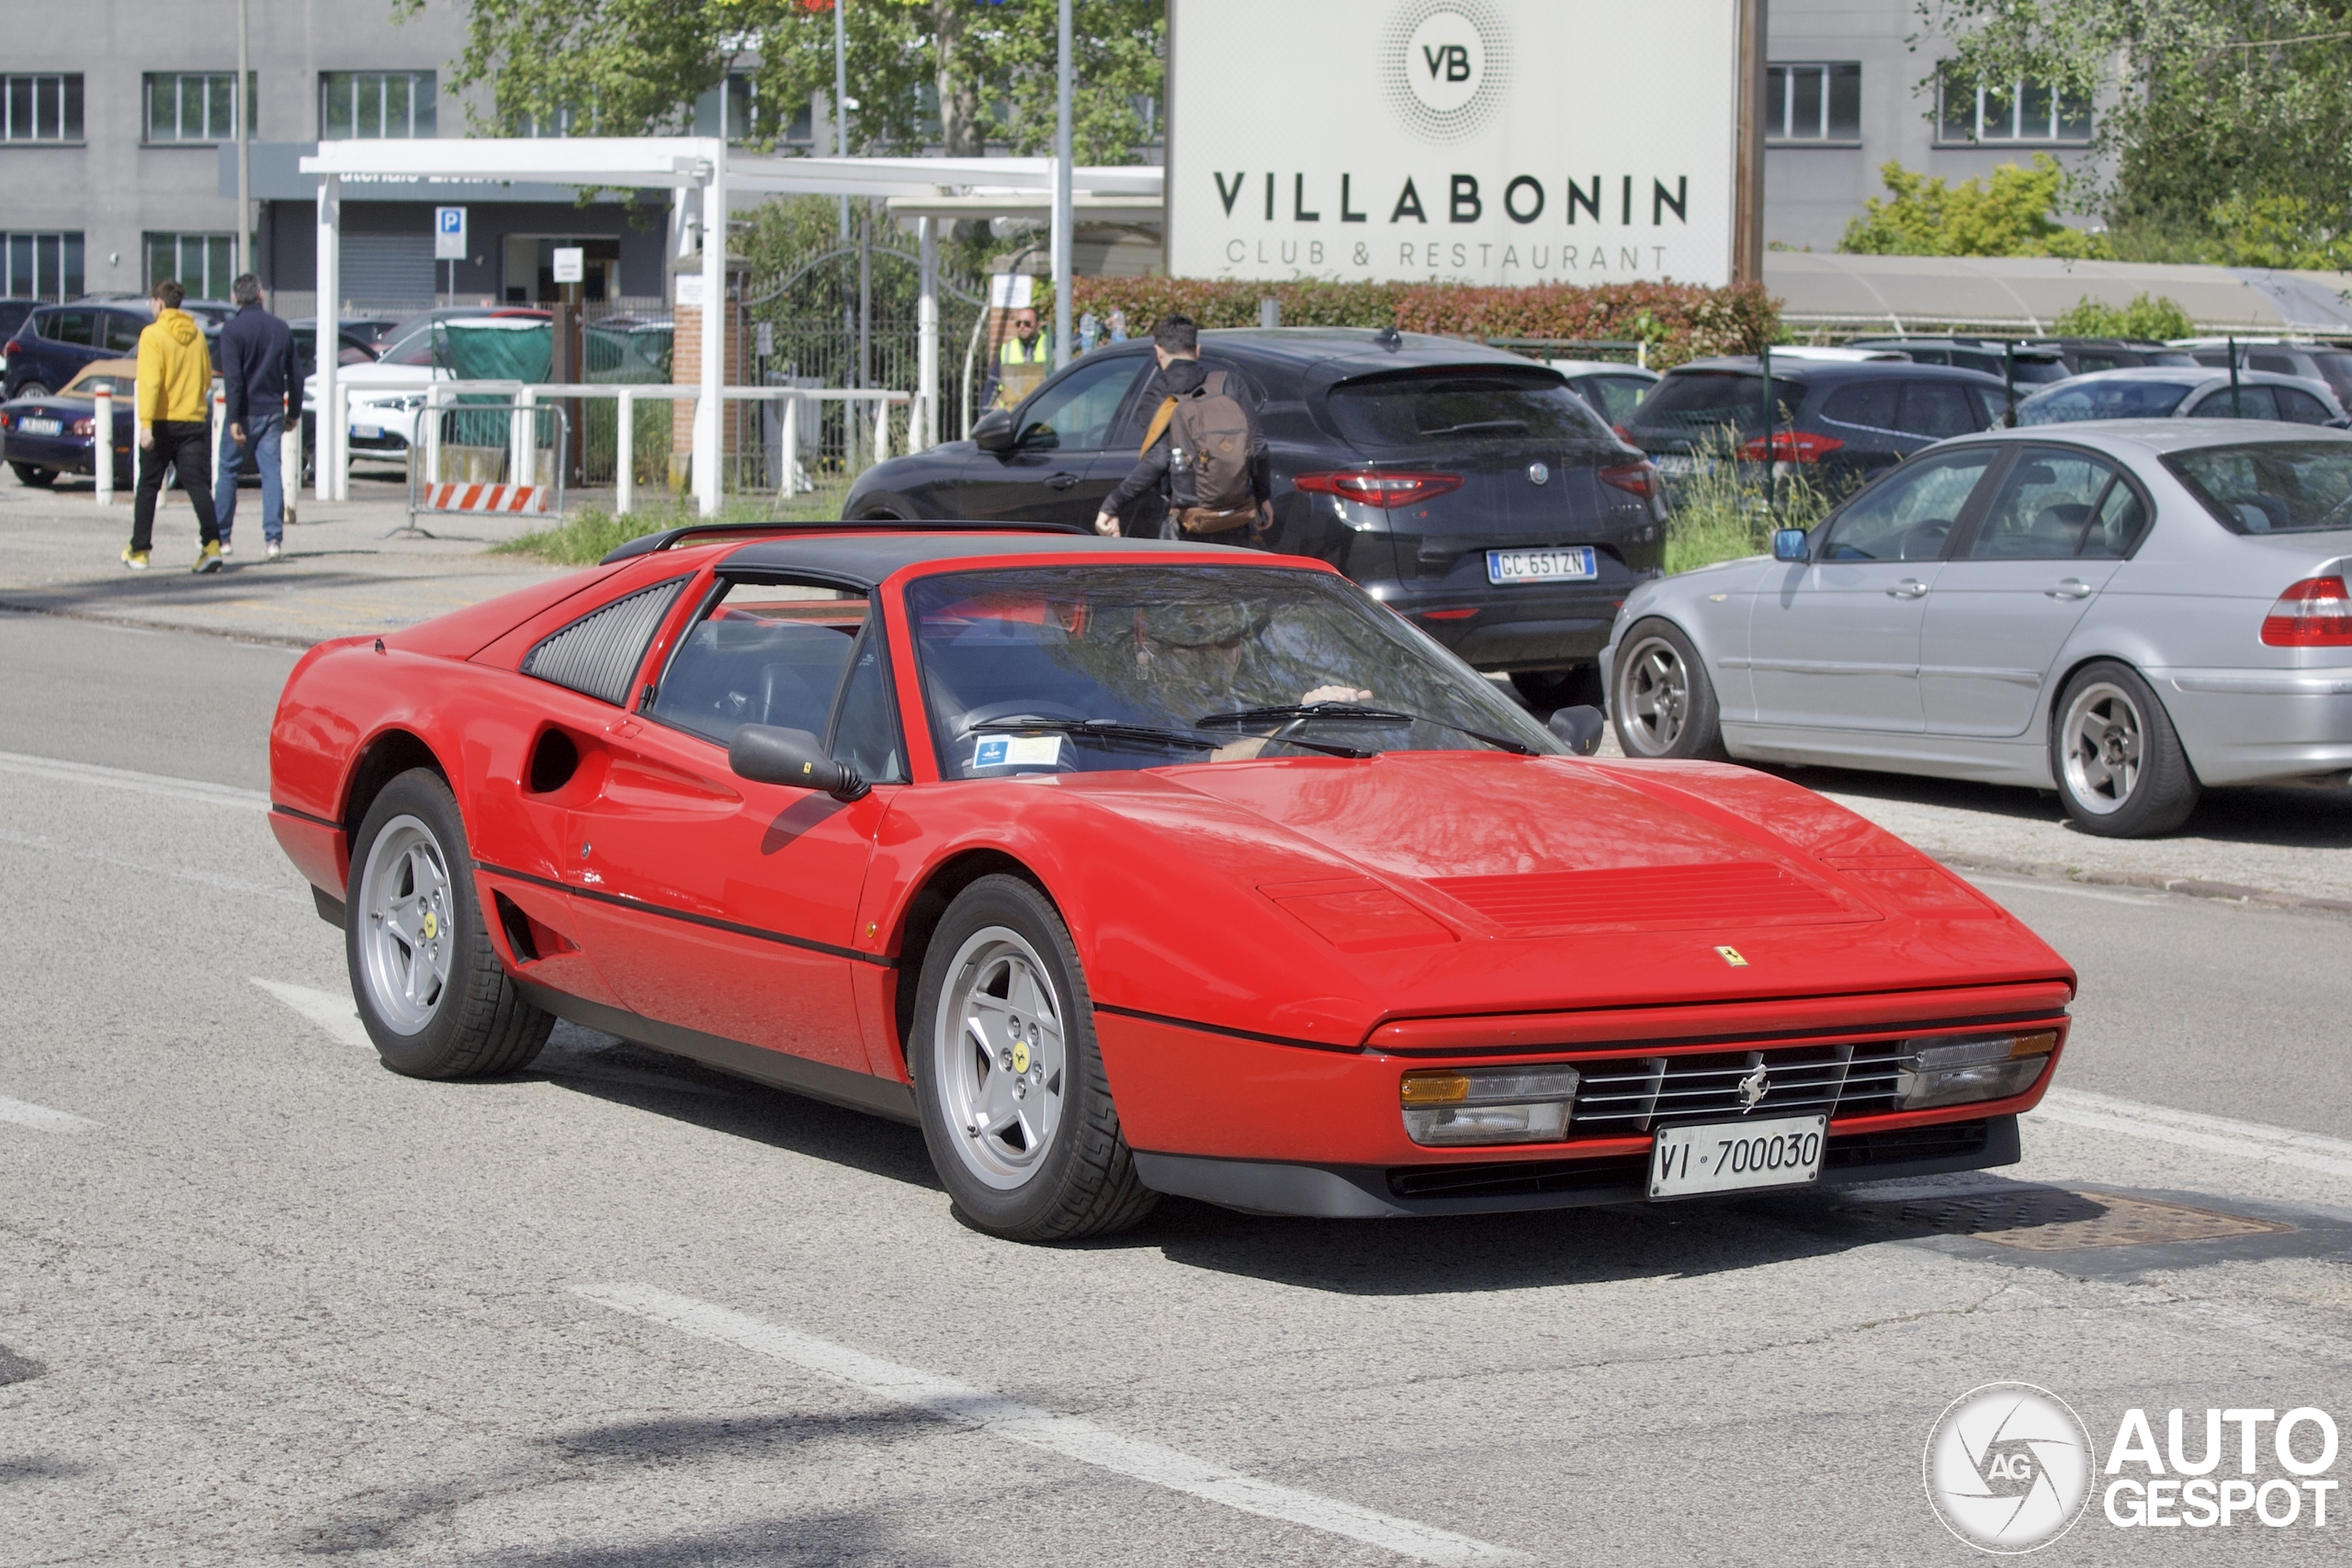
(262, 378)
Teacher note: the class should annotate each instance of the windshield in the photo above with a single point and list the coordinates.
(2283, 486)
(1696, 404)
(2070, 402)
(1405, 412)
(1099, 668)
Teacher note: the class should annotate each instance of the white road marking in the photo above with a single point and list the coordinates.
(153, 868)
(2190, 1129)
(41, 1118)
(1072, 1439)
(331, 1011)
(2066, 888)
(162, 785)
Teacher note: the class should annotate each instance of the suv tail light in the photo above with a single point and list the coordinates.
(1792, 446)
(1638, 478)
(2314, 612)
(1379, 490)
(12, 346)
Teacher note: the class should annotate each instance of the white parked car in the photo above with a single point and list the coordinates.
(386, 396)
(2125, 611)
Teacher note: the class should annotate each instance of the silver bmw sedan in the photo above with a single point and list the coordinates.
(2128, 610)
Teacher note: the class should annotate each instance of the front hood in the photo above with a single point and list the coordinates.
(1439, 884)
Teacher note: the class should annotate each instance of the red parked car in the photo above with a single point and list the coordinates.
(1128, 868)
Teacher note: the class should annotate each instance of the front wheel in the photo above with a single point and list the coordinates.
(34, 475)
(1015, 1106)
(2117, 758)
(1663, 704)
(430, 988)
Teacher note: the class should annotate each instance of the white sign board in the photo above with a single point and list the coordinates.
(1009, 290)
(569, 266)
(1492, 141)
(689, 291)
(448, 234)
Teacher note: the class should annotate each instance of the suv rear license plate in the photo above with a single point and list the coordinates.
(41, 426)
(1732, 1156)
(1571, 563)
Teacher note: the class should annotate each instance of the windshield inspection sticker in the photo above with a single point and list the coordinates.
(1018, 751)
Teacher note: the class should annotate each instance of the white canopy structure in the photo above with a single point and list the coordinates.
(705, 174)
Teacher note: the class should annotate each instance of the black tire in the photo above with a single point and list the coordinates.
(1548, 689)
(30, 389)
(1661, 701)
(1077, 1177)
(2116, 757)
(38, 477)
(470, 1020)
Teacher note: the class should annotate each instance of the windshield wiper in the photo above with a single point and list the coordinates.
(1467, 426)
(1135, 733)
(1353, 710)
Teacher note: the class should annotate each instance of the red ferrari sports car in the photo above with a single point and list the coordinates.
(1127, 868)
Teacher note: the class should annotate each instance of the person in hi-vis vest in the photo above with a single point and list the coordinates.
(1015, 379)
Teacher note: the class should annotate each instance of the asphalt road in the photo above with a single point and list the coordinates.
(261, 1302)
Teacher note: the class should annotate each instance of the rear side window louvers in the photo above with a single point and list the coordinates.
(598, 653)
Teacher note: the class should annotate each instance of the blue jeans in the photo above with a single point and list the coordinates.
(263, 432)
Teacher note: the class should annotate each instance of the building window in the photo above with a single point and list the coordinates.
(204, 263)
(40, 109)
(40, 267)
(2026, 110)
(372, 104)
(1813, 101)
(747, 119)
(562, 122)
(196, 105)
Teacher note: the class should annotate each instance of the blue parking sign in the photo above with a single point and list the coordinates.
(448, 234)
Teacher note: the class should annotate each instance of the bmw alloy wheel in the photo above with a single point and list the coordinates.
(409, 931)
(2102, 741)
(1657, 695)
(999, 1057)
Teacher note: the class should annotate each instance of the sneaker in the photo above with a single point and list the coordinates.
(226, 547)
(272, 550)
(210, 560)
(135, 559)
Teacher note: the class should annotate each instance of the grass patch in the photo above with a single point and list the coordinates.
(592, 533)
(1723, 512)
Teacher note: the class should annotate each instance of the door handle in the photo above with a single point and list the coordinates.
(1062, 481)
(2072, 588)
(1909, 588)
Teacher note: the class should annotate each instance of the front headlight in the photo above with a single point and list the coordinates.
(1489, 1105)
(1955, 1072)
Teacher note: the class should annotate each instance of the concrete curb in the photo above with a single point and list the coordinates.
(2189, 886)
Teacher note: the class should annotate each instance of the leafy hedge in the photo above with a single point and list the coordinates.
(1679, 321)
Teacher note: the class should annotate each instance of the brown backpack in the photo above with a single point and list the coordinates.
(1208, 435)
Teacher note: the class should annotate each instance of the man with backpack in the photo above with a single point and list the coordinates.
(1203, 449)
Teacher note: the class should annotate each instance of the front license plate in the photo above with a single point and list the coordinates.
(1569, 563)
(367, 432)
(41, 426)
(1731, 1157)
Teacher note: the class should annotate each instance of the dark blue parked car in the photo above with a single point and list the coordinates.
(52, 343)
(52, 434)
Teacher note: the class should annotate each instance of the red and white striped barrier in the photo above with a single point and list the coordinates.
(486, 498)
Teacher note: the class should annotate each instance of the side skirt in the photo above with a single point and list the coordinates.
(795, 1074)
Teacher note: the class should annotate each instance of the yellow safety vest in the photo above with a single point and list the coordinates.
(1011, 353)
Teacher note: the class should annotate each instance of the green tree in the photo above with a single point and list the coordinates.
(2148, 319)
(2009, 215)
(965, 76)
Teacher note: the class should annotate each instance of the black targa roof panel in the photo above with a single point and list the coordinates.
(867, 558)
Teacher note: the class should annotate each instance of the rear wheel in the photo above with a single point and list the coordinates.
(1663, 704)
(40, 477)
(1547, 689)
(1015, 1106)
(2117, 758)
(430, 988)
(30, 389)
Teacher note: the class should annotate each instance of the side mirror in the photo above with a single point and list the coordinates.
(793, 758)
(1790, 543)
(1579, 727)
(993, 431)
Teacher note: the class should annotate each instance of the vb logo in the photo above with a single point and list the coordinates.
(1452, 59)
(1445, 59)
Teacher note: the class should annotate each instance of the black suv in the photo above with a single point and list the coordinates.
(1468, 489)
(1842, 422)
(2031, 365)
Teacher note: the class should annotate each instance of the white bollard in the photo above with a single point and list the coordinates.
(290, 459)
(624, 453)
(335, 444)
(102, 443)
(429, 427)
(881, 429)
(521, 466)
(788, 482)
(220, 432)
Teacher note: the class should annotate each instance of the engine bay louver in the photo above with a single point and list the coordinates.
(1648, 898)
(598, 653)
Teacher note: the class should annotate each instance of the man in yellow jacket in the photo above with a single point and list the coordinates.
(174, 382)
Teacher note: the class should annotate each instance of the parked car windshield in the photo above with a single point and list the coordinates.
(1692, 405)
(2282, 487)
(2070, 402)
(1099, 668)
(1471, 405)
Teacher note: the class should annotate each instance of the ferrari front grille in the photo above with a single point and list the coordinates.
(1631, 1094)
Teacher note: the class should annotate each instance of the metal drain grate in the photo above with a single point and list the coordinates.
(2047, 1219)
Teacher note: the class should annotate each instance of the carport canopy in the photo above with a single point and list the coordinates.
(691, 167)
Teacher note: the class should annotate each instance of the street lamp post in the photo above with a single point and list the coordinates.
(243, 112)
(1061, 192)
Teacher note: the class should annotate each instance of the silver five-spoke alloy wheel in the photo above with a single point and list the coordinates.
(999, 1057)
(2102, 741)
(1657, 695)
(407, 933)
